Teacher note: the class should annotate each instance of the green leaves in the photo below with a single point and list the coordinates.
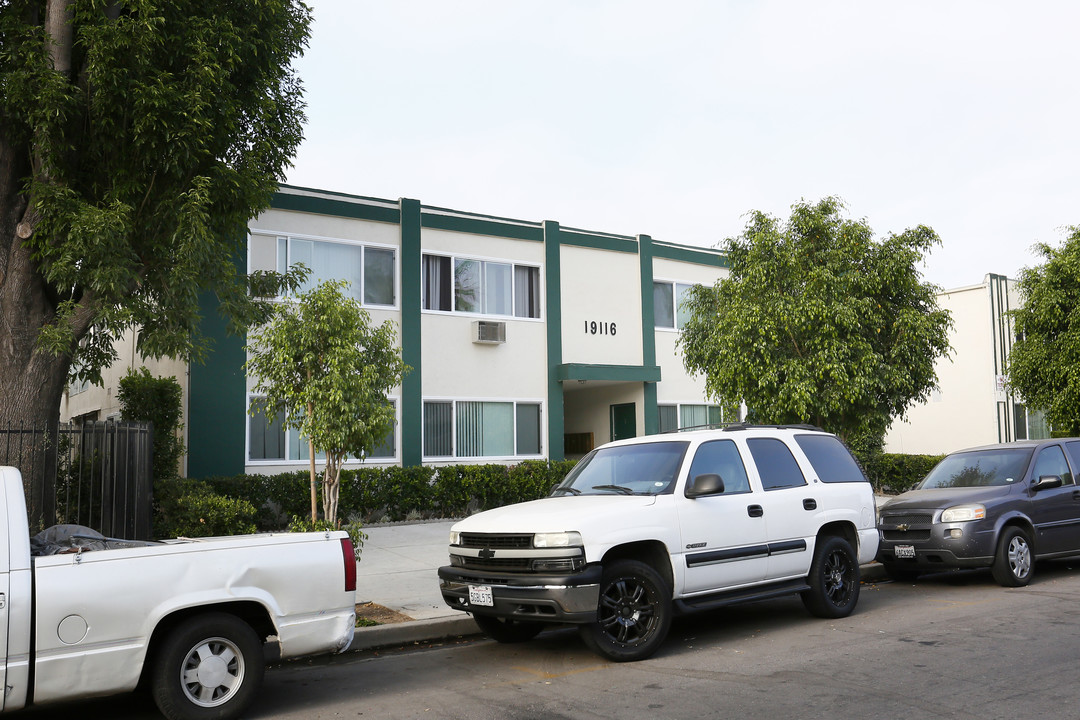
(818, 322)
(320, 361)
(1044, 366)
(142, 166)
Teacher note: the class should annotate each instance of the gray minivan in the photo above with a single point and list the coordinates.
(999, 506)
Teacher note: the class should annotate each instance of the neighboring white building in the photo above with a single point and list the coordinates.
(527, 340)
(972, 406)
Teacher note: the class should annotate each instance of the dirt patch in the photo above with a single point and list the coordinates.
(374, 614)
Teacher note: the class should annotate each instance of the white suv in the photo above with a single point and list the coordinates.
(644, 528)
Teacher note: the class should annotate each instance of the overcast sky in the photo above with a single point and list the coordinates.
(675, 118)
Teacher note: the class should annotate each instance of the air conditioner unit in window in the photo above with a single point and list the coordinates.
(488, 332)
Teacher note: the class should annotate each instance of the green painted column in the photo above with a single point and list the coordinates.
(217, 399)
(412, 399)
(648, 331)
(553, 309)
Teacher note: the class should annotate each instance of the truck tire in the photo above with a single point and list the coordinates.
(1014, 562)
(508, 631)
(208, 668)
(634, 613)
(833, 579)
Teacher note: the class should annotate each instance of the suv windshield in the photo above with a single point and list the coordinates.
(979, 469)
(646, 469)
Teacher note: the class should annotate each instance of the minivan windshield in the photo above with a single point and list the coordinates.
(979, 468)
(643, 469)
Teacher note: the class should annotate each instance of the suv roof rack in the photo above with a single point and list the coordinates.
(706, 426)
(789, 426)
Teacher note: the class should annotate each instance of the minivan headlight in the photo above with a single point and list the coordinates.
(557, 539)
(963, 513)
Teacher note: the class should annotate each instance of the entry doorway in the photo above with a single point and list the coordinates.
(623, 421)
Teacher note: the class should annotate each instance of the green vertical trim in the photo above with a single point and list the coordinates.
(217, 397)
(412, 399)
(648, 331)
(553, 306)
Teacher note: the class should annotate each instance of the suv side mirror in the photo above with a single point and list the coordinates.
(1045, 482)
(707, 484)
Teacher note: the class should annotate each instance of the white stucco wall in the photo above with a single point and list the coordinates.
(600, 289)
(963, 413)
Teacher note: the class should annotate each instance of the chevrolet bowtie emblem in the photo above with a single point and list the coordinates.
(903, 527)
(487, 553)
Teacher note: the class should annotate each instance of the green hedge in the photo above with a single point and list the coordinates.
(892, 473)
(370, 494)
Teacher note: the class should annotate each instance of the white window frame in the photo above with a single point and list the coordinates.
(514, 264)
(350, 462)
(674, 285)
(277, 236)
(487, 458)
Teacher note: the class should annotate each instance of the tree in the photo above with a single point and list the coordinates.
(326, 371)
(1044, 366)
(817, 322)
(137, 139)
(157, 400)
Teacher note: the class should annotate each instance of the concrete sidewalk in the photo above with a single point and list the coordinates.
(398, 570)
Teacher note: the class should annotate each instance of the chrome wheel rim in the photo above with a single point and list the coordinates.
(212, 672)
(1019, 557)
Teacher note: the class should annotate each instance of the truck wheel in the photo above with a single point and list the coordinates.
(634, 612)
(833, 579)
(208, 667)
(1013, 564)
(508, 631)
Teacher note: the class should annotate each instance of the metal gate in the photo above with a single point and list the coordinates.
(97, 474)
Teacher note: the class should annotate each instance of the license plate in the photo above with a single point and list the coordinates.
(481, 595)
(904, 551)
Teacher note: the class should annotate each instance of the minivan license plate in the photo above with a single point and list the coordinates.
(480, 595)
(904, 551)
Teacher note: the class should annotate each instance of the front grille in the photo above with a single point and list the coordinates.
(903, 537)
(495, 542)
(913, 519)
(497, 564)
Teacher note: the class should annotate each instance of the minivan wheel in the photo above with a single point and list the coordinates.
(1014, 563)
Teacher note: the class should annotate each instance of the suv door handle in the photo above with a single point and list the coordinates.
(755, 511)
(809, 504)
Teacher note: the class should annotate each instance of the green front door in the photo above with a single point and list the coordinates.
(623, 421)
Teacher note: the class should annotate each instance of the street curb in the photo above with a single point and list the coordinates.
(434, 629)
(412, 631)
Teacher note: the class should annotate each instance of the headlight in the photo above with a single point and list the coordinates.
(455, 537)
(557, 539)
(963, 513)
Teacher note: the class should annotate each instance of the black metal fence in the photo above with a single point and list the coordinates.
(97, 474)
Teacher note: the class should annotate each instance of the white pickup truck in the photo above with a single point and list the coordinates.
(643, 528)
(193, 620)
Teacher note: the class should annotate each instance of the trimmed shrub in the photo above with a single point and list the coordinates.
(894, 473)
(191, 508)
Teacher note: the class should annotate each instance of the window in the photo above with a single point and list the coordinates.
(470, 428)
(722, 458)
(668, 300)
(830, 459)
(479, 286)
(368, 270)
(270, 440)
(1051, 461)
(775, 463)
(675, 417)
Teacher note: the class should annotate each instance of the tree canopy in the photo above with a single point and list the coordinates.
(1044, 366)
(323, 368)
(137, 139)
(818, 322)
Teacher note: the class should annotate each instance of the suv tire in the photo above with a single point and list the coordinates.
(634, 612)
(833, 579)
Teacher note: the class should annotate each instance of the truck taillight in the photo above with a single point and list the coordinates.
(350, 564)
